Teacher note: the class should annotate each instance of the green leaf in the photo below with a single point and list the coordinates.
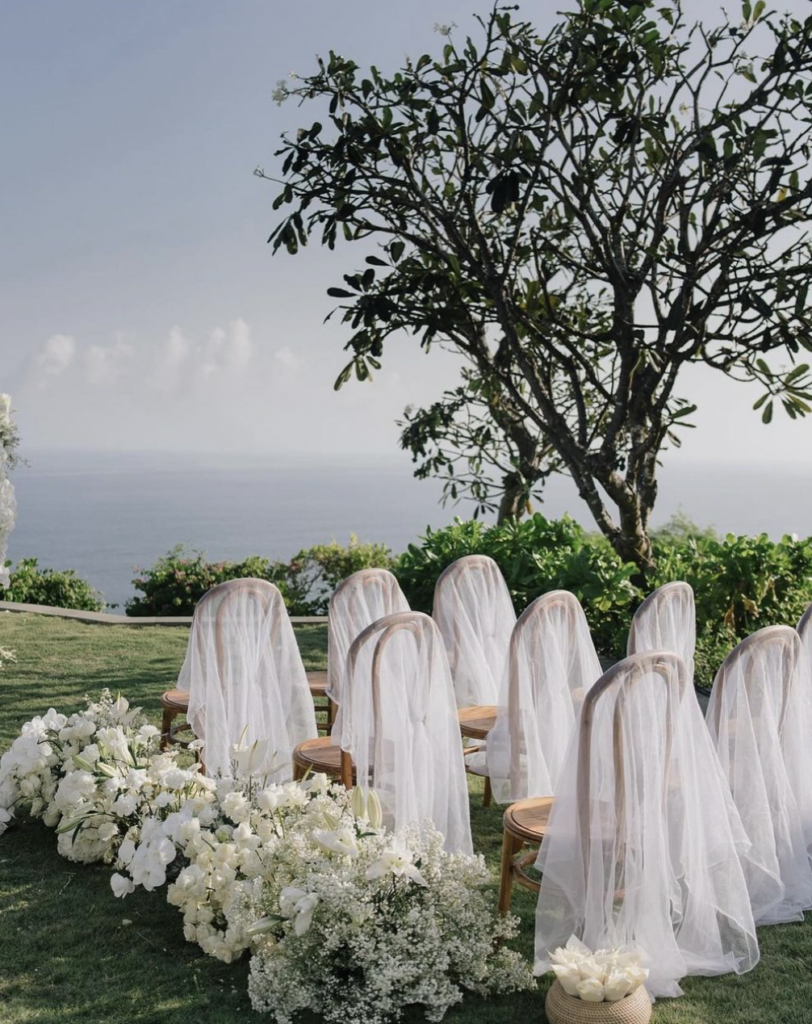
(339, 293)
(767, 415)
(799, 371)
(424, 60)
(396, 250)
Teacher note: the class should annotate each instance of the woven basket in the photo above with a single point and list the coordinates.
(564, 1009)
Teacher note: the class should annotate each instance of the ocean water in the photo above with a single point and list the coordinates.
(105, 514)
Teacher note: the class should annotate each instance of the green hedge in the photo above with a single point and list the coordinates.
(740, 583)
(62, 589)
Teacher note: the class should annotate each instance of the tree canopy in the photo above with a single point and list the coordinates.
(579, 211)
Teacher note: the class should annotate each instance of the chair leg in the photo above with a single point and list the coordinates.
(510, 847)
(298, 771)
(486, 797)
(166, 725)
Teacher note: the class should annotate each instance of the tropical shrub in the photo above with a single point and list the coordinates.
(60, 588)
(178, 580)
(535, 555)
(313, 574)
(741, 583)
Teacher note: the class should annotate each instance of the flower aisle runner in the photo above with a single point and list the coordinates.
(341, 916)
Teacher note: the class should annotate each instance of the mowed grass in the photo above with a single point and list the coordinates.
(71, 953)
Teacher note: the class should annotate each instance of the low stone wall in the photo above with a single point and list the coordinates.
(108, 619)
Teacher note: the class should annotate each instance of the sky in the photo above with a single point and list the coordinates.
(140, 306)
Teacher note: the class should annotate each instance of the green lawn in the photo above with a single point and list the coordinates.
(71, 953)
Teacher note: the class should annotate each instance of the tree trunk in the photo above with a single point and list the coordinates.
(514, 499)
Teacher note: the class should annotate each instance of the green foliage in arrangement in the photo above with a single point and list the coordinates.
(59, 588)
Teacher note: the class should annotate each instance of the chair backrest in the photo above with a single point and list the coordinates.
(622, 683)
(779, 645)
(400, 725)
(357, 602)
(475, 614)
(551, 665)
(666, 621)
(245, 678)
(643, 842)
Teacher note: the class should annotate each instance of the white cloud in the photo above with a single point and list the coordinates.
(56, 355)
(105, 364)
(287, 358)
(172, 356)
(227, 350)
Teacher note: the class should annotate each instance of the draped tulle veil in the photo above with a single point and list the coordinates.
(245, 679)
(639, 849)
(400, 725)
(551, 666)
(475, 614)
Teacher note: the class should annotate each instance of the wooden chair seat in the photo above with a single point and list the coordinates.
(176, 702)
(322, 755)
(524, 824)
(475, 724)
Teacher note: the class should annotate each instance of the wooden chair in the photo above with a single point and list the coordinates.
(175, 703)
(475, 720)
(554, 623)
(357, 602)
(526, 821)
(266, 601)
(325, 754)
(666, 621)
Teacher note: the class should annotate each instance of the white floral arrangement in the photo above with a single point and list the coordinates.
(8, 504)
(606, 974)
(94, 776)
(342, 917)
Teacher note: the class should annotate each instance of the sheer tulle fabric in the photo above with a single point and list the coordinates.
(805, 633)
(357, 602)
(400, 725)
(245, 679)
(551, 667)
(473, 609)
(760, 720)
(666, 621)
(639, 849)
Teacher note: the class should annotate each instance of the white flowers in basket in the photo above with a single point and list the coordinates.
(606, 974)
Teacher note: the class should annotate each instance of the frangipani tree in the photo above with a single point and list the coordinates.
(580, 211)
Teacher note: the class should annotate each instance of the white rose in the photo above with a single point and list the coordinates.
(569, 976)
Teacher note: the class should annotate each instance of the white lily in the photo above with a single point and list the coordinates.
(398, 862)
(341, 842)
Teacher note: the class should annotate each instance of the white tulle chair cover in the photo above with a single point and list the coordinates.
(639, 849)
(245, 679)
(473, 609)
(357, 602)
(666, 621)
(551, 666)
(760, 719)
(804, 629)
(400, 726)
